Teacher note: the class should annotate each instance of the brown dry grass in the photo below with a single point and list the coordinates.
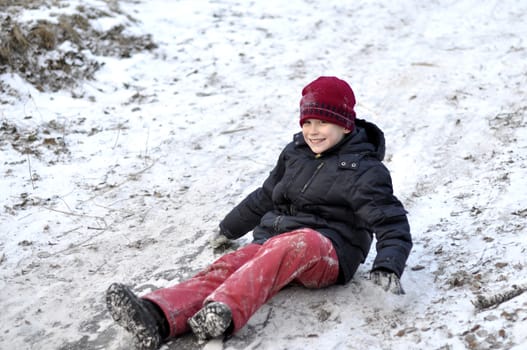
(25, 47)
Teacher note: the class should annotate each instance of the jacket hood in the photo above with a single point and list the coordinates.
(365, 139)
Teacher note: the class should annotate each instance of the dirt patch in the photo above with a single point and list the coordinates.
(60, 53)
(31, 141)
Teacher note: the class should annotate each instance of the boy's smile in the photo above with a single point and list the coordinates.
(321, 135)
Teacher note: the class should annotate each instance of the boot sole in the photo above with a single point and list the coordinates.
(211, 321)
(123, 306)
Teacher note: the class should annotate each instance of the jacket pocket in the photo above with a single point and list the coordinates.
(393, 211)
(384, 215)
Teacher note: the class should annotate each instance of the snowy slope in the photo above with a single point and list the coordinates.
(125, 176)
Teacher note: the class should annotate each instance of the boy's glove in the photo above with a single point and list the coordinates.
(220, 242)
(388, 281)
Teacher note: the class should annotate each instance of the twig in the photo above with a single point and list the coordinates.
(72, 230)
(146, 143)
(98, 268)
(484, 302)
(143, 217)
(30, 171)
(267, 318)
(65, 203)
(133, 175)
(117, 137)
(73, 246)
(128, 178)
(480, 262)
(74, 214)
(35, 104)
(235, 130)
(64, 134)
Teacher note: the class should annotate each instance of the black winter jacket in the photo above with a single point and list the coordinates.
(345, 194)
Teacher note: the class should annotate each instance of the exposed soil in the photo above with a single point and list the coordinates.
(59, 54)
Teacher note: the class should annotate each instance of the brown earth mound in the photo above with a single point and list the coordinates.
(58, 54)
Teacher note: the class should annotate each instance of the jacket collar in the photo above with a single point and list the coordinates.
(367, 138)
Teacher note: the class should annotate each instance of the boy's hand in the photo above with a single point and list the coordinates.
(388, 281)
(220, 242)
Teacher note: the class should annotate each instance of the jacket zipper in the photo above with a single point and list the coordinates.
(317, 170)
(277, 222)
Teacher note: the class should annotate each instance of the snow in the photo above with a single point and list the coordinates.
(142, 163)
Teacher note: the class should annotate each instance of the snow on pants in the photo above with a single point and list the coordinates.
(248, 277)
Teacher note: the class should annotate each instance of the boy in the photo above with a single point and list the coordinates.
(313, 222)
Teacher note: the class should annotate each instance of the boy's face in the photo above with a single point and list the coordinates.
(321, 135)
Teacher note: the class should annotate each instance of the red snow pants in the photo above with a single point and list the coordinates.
(248, 277)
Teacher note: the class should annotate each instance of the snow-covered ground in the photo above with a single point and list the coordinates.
(124, 177)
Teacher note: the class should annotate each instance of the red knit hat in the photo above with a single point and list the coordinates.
(330, 99)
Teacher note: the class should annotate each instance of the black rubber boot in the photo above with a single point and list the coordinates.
(136, 315)
(213, 320)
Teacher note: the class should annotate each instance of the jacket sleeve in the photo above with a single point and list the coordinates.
(247, 214)
(377, 207)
